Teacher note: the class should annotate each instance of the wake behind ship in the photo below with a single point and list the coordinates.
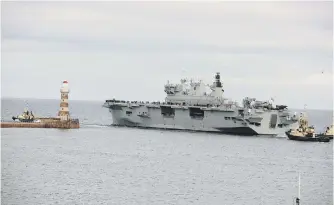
(189, 107)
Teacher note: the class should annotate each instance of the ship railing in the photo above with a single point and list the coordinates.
(181, 104)
(108, 102)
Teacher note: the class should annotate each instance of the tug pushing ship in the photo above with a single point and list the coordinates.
(305, 132)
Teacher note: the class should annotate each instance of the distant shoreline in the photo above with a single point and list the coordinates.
(102, 101)
(16, 98)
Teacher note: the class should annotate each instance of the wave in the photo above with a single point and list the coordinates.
(94, 125)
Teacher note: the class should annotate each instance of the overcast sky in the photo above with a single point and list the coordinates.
(129, 50)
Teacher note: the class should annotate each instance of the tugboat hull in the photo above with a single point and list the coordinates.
(325, 136)
(307, 139)
(23, 120)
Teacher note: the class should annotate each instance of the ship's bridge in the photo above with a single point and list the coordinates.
(177, 89)
(173, 89)
(195, 92)
(192, 88)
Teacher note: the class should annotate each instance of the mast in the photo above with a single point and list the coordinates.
(298, 198)
(299, 185)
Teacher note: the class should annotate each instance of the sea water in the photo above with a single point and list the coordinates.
(101, 164)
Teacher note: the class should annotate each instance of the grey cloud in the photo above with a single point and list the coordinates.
(225, 24)
(99, 46)
(76, 44)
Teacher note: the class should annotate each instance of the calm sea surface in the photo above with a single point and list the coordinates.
(100, 164)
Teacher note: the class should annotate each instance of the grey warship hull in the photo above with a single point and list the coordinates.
(188, 106)
(226, 121)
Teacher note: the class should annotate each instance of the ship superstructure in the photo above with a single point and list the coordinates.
(188, 106)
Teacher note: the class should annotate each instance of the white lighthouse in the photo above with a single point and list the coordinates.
(64, 113)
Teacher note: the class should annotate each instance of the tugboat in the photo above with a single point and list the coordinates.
(328, 133)
(26, 116)
(305, 132)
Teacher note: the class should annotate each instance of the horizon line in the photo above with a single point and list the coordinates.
(32, 98)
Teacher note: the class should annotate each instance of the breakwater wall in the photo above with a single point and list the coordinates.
(44, 123)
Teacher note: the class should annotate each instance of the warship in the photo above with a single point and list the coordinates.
(188, 106)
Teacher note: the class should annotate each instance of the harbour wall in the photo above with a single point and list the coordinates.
(44, 123)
